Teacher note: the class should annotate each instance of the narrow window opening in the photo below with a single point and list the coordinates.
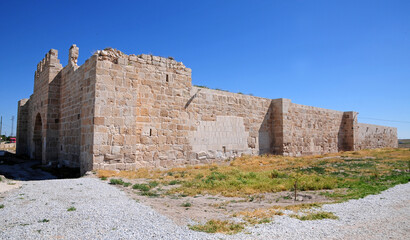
(224, 149)
(150, 132)
(166, 78)
(78, 116)
(61, 147)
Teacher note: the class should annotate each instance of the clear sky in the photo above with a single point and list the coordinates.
(341, 55)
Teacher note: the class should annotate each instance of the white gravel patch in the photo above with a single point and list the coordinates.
(105, 212)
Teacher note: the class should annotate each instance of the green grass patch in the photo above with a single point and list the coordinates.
(187, 204)
(149, 194)
(143, 187)
(115, 181)
(70, 209)
(174, 182)
(153, 184)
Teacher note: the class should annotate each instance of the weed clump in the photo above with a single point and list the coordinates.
(143, 187)
(315, 216)
(115, 181)
(187, 204)
(70, 209)
(213, 226)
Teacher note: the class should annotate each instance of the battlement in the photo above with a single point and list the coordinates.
(118, 57)
(49, 60)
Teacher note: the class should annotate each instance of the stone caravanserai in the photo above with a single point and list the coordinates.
(125, 112)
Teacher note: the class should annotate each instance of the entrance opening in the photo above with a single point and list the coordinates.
(37, 138)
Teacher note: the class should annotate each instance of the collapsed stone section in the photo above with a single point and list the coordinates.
(119, 111)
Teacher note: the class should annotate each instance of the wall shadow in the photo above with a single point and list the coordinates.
(23, 169)
(265, 133)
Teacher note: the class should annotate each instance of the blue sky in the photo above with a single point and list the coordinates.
(342, 55)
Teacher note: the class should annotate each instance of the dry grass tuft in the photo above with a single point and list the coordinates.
(214, 226)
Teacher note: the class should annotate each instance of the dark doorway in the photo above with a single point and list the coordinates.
(37, 138)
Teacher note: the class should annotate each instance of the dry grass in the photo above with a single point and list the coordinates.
(315, 216)
(367, 171)
(214, 226)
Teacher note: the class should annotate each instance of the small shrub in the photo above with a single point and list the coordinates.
(187, 204)
(1, 206)
(153, 184)
(277, 174)
(127, 184)
(114, 181)
(265, 220)
(44, 220)
(149, 194)
(103, 178)
(174, 182)
(143, 187)
(199, 176)
(71, 209)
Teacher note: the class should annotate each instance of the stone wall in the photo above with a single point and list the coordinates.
(56, 123)
(148, 114)
(228, 124)
(22, 127)
(310, 130)
(76, 112)
(38, 106)
(140, 119)
(124, 112)
(375, 136)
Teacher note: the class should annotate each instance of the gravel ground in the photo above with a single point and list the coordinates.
(105, 212)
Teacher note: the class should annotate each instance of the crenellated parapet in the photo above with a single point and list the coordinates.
(49, 61)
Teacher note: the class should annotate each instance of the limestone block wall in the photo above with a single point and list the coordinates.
(148, 114)
(140, 119)
(228, 124)
(22, 127)
(76, 112)
(375, 136)
(124, 112)
(310, 130)
(38, 105)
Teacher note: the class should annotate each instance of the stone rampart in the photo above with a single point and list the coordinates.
(119, 111)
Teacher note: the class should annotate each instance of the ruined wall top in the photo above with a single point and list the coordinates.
(118, 57)
(73, 55)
